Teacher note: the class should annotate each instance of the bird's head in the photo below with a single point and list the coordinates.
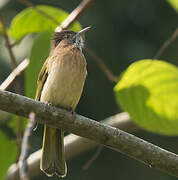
(69, 37)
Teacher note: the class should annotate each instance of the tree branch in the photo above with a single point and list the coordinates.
(14, 74)
(116, 139)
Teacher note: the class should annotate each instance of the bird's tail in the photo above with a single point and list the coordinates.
(53, 157)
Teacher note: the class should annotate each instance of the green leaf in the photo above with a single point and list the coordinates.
(174, 4)
(148, 91)
(8, 153)
(31, 21)
(39, 53)
(0, 28)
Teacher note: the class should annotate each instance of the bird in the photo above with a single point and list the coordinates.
(60, 83)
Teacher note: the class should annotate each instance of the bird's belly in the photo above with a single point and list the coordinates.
(63, 88)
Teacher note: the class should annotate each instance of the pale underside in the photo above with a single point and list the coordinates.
(65, 79)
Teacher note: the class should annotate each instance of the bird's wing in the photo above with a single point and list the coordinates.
(41, 79)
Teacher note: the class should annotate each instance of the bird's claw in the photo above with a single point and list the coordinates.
(48, 103)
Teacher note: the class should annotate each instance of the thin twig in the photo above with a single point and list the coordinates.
(93, 158)
(166, 44)
(111, 137)
(7, 43)
(75, 14)
(25, 147)
(19, 134)
(102, 66)
(14, 74)
(13, 44)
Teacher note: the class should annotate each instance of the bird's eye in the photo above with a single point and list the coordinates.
(67, 36)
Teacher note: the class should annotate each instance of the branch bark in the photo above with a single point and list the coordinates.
(166, 44)
(114, 138)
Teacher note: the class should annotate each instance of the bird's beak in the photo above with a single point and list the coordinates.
(83, 31)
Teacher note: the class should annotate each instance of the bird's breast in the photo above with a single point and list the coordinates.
(65, 80)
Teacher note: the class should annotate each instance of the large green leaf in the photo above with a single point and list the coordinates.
(148, 90)
(39, 53)
(31, 21)
(174, 4)
(8, 153)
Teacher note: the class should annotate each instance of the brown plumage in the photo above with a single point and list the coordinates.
(60, 83)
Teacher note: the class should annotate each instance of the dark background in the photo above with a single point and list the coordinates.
(122, 32)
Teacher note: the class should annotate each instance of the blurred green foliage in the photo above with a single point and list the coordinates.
(8, 153)
(122, 32)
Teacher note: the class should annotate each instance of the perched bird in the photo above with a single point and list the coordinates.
(60, 83)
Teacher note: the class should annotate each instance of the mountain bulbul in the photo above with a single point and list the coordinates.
(60, 83)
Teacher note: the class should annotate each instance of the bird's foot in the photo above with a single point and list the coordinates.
(48, 103)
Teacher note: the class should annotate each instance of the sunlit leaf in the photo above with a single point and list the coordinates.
(148, 91)
(174, 4)
(31, 21)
